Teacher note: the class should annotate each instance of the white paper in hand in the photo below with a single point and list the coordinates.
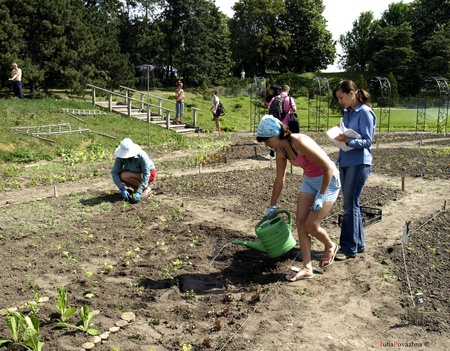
(337, 130)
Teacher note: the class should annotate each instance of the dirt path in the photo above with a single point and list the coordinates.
(354, 305)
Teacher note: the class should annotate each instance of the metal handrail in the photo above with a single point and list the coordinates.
(129, 99)
(160, 100)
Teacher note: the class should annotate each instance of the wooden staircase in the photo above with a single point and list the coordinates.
(132, 107)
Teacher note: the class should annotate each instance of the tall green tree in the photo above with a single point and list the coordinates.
(426, 16)
(259, 40)
(398, 57)
(358, 44)
(312, 47)
(436, 51)
(195, 41)
(12, 44)
(66, 44)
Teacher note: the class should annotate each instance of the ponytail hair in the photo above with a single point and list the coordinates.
(285, 133)
(347, 86)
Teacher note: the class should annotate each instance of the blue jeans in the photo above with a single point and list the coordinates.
(179, 111)
(353, 179)
(17, 88)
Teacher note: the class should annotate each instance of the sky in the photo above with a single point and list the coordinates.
(340, 15)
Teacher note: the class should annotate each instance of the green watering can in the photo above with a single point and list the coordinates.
(274, 233)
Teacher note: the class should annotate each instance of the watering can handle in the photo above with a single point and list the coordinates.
(273, 215)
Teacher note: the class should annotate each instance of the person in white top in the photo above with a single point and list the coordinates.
(214, 109)
(16, 79)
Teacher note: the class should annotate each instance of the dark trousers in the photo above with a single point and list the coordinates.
(17, 88)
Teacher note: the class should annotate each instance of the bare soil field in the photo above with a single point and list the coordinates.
(169, 261)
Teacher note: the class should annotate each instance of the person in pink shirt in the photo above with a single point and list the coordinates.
(318, 192)
(289, 103)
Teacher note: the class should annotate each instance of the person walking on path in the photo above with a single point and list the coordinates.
(179, 95)
(133, 168)
(214, 109)
(16, 79)
(355, 165)
(289, 104)
(318, 192)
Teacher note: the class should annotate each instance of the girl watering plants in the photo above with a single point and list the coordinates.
(318, 192)
(355, 164)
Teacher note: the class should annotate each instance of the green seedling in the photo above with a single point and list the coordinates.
(65, 311)
(86, 317)
(29, 340)
(33, 305)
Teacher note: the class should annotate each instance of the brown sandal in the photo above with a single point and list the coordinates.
(327, 261)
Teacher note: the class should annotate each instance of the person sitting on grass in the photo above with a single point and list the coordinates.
(133, 168)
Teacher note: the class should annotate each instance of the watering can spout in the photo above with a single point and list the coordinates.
(257, 245)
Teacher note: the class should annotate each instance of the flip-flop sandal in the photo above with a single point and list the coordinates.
(298, 276)
(329, 259)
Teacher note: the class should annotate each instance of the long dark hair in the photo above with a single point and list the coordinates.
(347, 86)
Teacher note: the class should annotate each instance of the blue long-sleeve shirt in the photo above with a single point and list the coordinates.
(140, 163)
(363, 121)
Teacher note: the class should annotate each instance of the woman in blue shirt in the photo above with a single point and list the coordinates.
(355, 165)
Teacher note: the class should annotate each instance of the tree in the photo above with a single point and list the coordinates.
(259, 39)
(65, 44)
(436, 50)
(426, 16)
(395, 15)
(397, 56)
(312, 47)
(357, 45)
(12, 44)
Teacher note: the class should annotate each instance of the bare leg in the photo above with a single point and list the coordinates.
(217, 120)
(308, 224)
(131, 179)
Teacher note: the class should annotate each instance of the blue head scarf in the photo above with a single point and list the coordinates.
(269, 126)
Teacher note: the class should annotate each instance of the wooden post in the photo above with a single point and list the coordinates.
(418, 310)
(168, 120)
(195, 118)
(110, 102)
(403, 183)
(160, 107)
(148, 128)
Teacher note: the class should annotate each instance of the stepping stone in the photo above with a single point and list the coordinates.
(121, 323)
(129, 316)
(88, 345)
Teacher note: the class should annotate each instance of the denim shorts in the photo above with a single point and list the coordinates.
(312, 185)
